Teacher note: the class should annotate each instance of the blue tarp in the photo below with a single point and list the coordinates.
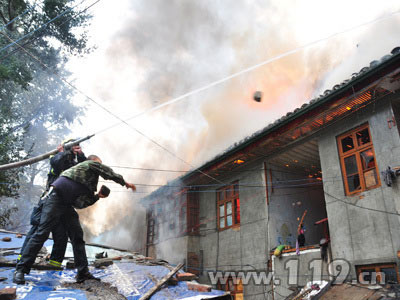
(132, 280)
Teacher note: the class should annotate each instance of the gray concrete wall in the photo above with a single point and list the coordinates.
(359, 235)
(244, 247)
(288, 204)
(173, 250)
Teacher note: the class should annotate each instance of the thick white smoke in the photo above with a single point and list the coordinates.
(158, 50)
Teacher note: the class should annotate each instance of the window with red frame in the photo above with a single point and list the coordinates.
(228, 206)
(193, 211)
(357, 158)
(188, 208)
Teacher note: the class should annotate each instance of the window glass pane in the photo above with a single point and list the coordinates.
(390, 274)
(221, 210)
(237, 211)
(367, 159)
(229, 208)
(221, 195)
(363, 137)
(347, 143)
(371, 179)
(353, 182)
(229, 220)
(350, 164)
(222, 222)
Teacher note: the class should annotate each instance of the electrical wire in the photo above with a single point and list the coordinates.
(186, 171)
(358, 206)
(201, 89)
(218, 186)
(112, 114)
(249, 69)
(206, 87)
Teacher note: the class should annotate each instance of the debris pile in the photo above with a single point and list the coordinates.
(123, 275)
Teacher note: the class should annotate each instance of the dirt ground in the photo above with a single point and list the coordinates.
(97, 290)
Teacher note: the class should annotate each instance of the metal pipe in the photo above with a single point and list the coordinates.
(36, 159)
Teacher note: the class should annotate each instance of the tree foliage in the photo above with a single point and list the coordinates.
(35, 106)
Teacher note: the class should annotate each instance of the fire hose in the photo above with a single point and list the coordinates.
(38, 158)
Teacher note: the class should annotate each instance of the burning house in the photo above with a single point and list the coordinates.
(314, 178)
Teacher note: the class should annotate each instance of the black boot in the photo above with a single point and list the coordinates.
(19, 277)
(82, 276)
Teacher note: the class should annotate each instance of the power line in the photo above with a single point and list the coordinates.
(200, 89)
(358, 206)
(216, 83)
(151, 169)
(248, 187)
(249, 69)
(229, 171)
(193, 92)
(111, 113)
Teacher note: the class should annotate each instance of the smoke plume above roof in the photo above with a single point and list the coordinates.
(164, 49)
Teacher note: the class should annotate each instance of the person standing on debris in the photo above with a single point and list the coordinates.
(75, 187)
(63, 160)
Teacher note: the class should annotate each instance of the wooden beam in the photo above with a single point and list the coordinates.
(163, 280)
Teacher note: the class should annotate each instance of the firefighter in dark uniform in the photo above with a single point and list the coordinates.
(63, 160)
(76, 187)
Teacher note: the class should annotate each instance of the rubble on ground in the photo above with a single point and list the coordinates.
(97, 290)
(123, 275)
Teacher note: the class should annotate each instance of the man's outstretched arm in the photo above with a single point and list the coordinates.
(108, 174)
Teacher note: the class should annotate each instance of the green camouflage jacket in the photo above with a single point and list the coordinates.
(88, 173)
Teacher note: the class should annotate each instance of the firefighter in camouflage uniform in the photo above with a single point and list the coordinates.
(63, 160)
(76, 187)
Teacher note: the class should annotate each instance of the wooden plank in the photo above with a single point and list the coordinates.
(163, 280)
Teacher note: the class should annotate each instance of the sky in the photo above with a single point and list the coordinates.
(149, 52)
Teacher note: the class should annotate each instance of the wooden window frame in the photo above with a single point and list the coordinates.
(377, 267)
(193, 213)
(230, 195)
(187, 206)
(182, 211)
(356, 151)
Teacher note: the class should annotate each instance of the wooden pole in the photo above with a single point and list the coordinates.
(36, 159)
(163, 280)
